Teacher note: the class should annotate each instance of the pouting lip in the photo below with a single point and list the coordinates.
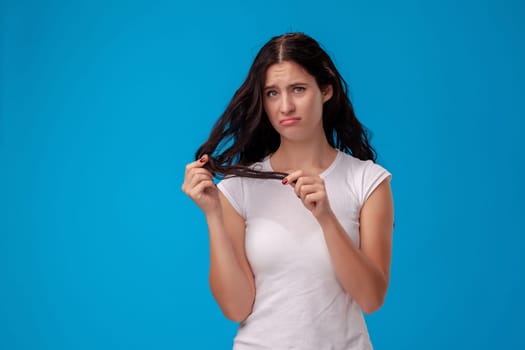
(285, 120)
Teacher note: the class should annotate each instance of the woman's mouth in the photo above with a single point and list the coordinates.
(289, 121)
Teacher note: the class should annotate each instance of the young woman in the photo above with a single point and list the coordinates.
(296, 260)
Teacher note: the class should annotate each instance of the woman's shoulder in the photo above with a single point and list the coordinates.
(360, 171)
(363, 175)
(356, 164)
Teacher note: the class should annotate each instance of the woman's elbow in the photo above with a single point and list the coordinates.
(236, 315)
(370, 308)
(373, 304)
(375, 300)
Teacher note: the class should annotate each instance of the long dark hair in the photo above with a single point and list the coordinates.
(243, 134)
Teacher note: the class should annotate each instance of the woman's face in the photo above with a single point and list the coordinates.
(294, 102)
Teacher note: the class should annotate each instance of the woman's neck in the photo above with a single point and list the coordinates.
(308, 156)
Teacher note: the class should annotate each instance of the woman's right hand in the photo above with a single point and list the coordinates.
(199, 186)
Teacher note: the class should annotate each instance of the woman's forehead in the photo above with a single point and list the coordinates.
(286, 72)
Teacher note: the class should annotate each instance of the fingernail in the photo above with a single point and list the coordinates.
(203, 159)
(285, 181)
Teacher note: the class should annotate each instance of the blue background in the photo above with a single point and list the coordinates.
(103, 103)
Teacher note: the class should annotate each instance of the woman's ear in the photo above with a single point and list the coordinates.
(327, 92)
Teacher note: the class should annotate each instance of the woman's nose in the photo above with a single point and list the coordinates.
(287, 104)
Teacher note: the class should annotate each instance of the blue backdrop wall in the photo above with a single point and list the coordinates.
(103, 103)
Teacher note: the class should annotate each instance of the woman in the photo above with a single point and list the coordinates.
(296, 261)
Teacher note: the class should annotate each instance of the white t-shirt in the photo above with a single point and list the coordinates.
(299, 303)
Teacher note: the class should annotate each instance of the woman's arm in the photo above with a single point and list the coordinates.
(363, 271)
(231, 278)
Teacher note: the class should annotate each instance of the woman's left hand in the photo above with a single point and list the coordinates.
(312, 192)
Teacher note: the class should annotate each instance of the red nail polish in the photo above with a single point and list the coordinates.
(203, 159)
(285, 181)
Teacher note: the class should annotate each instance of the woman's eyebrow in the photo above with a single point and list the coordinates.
(298, 83)
(289, 85)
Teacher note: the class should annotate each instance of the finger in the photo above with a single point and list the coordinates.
(197, 191)
(313, 198)
(198, 178)
(306, 180)
(292, 177)
(199, 163)
(197, 171)
(191, 172)
(305, 190)
(193, 176)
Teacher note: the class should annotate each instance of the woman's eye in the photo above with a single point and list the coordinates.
(271, 93)
(298, 89)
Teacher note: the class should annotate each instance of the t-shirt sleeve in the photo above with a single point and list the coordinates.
(372, 176)
(232, 188)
